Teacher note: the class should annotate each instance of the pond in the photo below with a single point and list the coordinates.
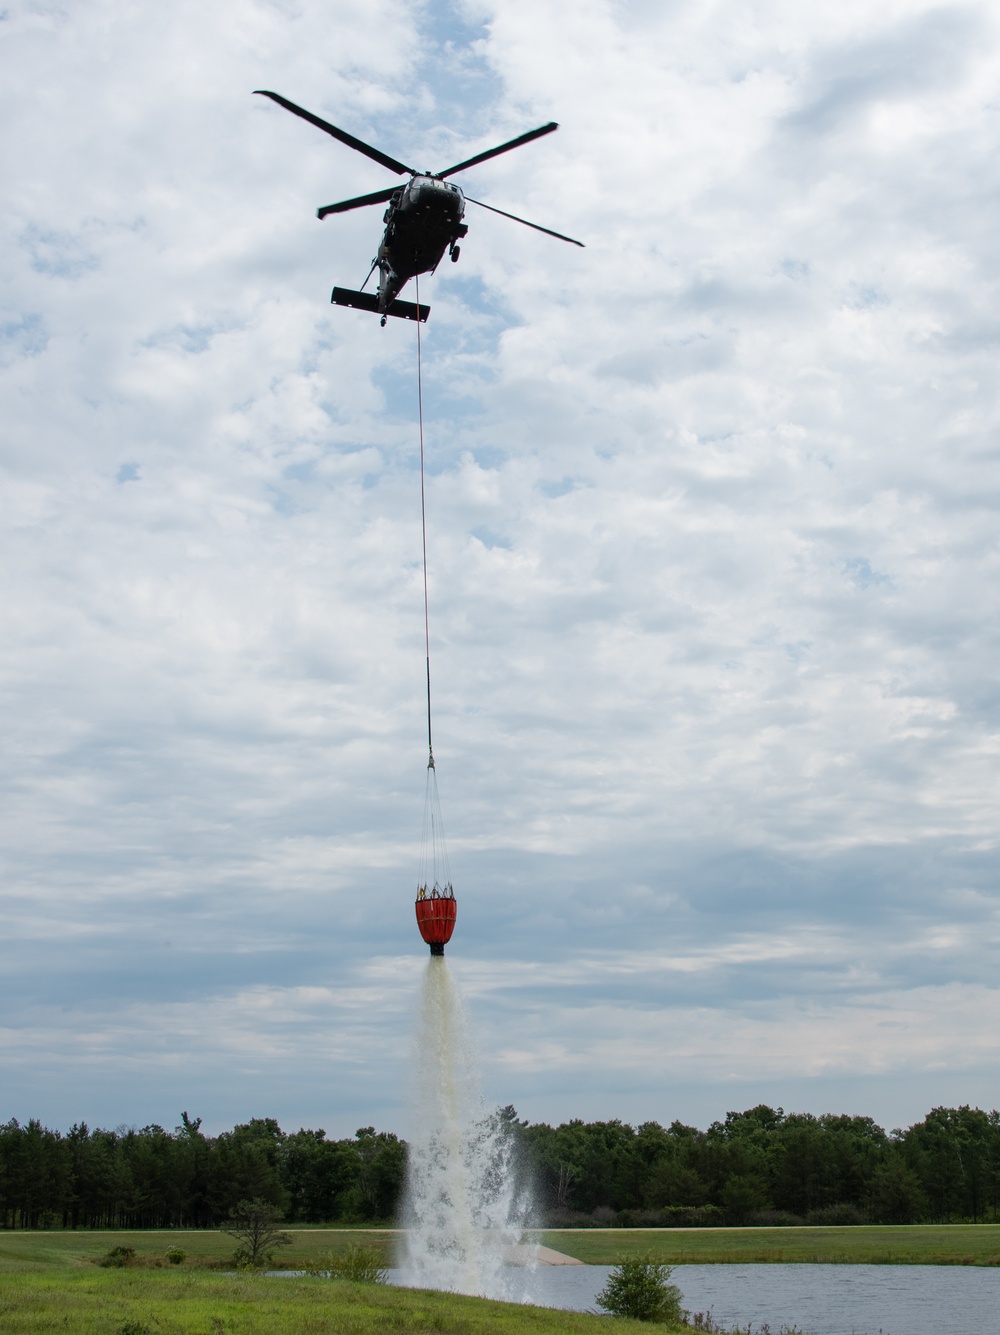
(820, 1299)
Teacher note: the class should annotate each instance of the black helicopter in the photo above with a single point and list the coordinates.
(424, 218)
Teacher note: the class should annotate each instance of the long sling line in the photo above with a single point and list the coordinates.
(423, 525)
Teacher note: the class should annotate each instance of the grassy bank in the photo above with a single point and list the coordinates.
(30, 1251)
(916, 1244)
(100, 1302)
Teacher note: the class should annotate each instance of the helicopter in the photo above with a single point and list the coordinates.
(424, 218)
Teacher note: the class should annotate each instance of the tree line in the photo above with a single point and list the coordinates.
(152, 1178)
(764, 1166)
(758, 1166)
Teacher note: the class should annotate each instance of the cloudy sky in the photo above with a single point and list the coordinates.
(713, 542)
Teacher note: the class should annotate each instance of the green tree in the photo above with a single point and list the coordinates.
(381, 1169)
(193, 1153)
(245, 1165)
(933, 1149)
(254, 1224)
(742, 1194)
(895, 1195)
(319, 1176)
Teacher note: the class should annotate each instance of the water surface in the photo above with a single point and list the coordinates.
(819, 1299)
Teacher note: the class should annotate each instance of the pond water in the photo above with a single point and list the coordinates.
(819, 1299)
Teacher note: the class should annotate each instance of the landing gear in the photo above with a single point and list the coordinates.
(382, 321)
(454, 253)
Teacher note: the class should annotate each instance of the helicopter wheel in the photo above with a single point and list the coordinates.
(455, 252)
(382, 322)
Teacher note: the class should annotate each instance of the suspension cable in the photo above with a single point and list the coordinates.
(423, 526)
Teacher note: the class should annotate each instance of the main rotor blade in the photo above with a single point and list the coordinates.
(503, 148)
(375, 154)
(547, 230)
(379, 197)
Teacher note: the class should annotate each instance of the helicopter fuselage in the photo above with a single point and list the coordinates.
(424, 218)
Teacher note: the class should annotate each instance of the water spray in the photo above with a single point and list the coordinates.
(466, 1204)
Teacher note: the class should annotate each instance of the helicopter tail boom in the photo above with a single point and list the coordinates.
(368, 301)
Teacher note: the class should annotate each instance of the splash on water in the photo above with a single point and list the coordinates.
(466, 1203)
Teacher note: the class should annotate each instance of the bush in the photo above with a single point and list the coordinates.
(640, 1288)
(837, 1215)
(176, 1255)
(774, 1219)
(361, 1265)
(671, 1216)
(119, 1257)
(560, 1218)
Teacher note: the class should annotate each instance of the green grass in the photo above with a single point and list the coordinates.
(49, 1282)
(944, 1244)
(99, 1302)
(917, 1244)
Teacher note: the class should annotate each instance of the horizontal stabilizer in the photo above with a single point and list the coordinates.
(368, 301)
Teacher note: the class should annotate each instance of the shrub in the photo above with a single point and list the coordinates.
(774, 1219)
(361, 1265)
(176, 1255)
(640, 1288)
(118, 1257)
(670, 1216)
(706, 1323)
(837, 1215)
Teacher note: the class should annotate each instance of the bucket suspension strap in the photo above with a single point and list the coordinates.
(436, 908)
(423, 527)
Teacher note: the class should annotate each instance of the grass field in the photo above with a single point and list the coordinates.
(945, 1244)
(91, 1301)
(916, 1244)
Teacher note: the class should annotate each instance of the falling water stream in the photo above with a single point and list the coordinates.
(466, 1203)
